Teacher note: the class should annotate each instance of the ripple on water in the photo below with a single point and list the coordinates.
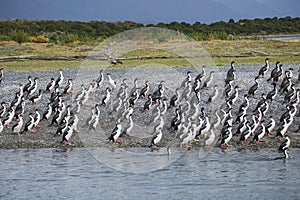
(51, 173)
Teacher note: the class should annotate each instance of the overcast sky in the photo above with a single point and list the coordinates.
(147, 11)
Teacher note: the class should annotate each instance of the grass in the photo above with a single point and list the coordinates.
(39, 65)
(48, 65)
(176, 62)
(252, 46)
(43, 49)
(257, 60)
(242, 51)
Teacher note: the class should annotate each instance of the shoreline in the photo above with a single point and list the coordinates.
(38, 142)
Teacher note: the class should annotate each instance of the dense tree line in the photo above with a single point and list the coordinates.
(22, 30)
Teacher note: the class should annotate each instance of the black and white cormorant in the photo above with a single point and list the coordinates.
(62, 127)
(253, 89)
(259, 134)
(261, 102)
(3, 109)
(116, 132)
(144, 91)
(50, 86)
(245, 104)
(68, 88)
(148, 103)
(264, 69)
(230, 73)
(274, 71)
(234, 96)
(106, 98)
(35, 98)
(29, 125)
(270, 126)
(273, 93)
(112, 83)
(214, 95)
(201, 74)
(284, 146)
(67, 135)
(1, 75)
(186, 80)
(208, 80)
(158, 94)
(37, 119)
(226, 136)
(278, 74)
(282, 129)
(60, 79)
(18, 125)
(28, 85)
(9, 117)
(286, 83)
(246, 133)
(133, 98)
(100, 79)
(128, 128)
(156, 139)
(1, 126)
(33, 88)
(57, 117)
(290, 94)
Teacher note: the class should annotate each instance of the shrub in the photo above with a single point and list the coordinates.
(199, 36)
(19, 36)
(38, 39)
(218, 36)
(4, 38)
(67, 38)
(222, 35)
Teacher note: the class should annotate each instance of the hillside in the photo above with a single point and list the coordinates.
(70, 31)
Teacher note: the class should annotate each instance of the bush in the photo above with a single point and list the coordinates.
(38, 39)
(218, 36)
(19, 36)
(199, 36)
(68, 38)
(4, 38)
(222, 35)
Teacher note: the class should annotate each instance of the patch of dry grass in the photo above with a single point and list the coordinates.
(223, 51)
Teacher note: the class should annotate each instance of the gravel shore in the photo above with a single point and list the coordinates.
(142, 132)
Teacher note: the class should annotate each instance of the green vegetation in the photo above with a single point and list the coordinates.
(215, 47)
(221, 61)
(39, 65)
(19, 36)
(252, 47)
(42, 65)
(50, 45)
(222, 52)
(43, 49)
(62, 32)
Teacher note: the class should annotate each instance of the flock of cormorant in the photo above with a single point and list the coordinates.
(185, 115)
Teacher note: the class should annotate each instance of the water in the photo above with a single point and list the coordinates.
(76, 174)
(296, 37)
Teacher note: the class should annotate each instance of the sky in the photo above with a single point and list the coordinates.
(147, 11)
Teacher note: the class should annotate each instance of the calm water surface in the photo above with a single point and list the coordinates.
(76, 174)
(296, 37)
